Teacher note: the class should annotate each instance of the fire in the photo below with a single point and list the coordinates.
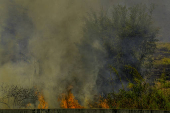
(98, 102)
(28, 105)
(103, 104)
(68, 101)
(43, 104)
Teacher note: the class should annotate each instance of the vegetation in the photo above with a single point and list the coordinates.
(163, 46)
(128, 40)
(142, 96)
(163, 61)
(17, 97)
(162, 58)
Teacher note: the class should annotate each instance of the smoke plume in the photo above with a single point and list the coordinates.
(38, 47)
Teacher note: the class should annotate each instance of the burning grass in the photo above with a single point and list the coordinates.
(140, 96)
(68, 101)
(42, 103)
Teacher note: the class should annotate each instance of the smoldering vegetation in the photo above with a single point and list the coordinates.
(52, 45)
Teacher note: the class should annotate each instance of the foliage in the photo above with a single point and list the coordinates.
(163, 46)
(135, 38)
(127, 42)
(163, 61)
(126, 38)
(19, 96)
(141, 95)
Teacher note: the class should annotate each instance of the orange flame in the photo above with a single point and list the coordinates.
(43, 104)
(68, 101)
(98, 102)
(103, 104)
(28, 105)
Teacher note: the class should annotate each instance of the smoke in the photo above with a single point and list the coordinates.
(15, 29)
(38, 47)
(160, 13)
(57, 29)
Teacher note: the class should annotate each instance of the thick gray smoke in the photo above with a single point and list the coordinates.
(38, 47)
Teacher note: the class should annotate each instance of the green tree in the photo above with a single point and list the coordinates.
(127, 37)
(135, 37)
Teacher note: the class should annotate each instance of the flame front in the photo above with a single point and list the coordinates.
(42, 103)
(68, 101)
(103, 104)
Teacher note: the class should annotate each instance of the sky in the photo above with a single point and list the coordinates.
(161, 13)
